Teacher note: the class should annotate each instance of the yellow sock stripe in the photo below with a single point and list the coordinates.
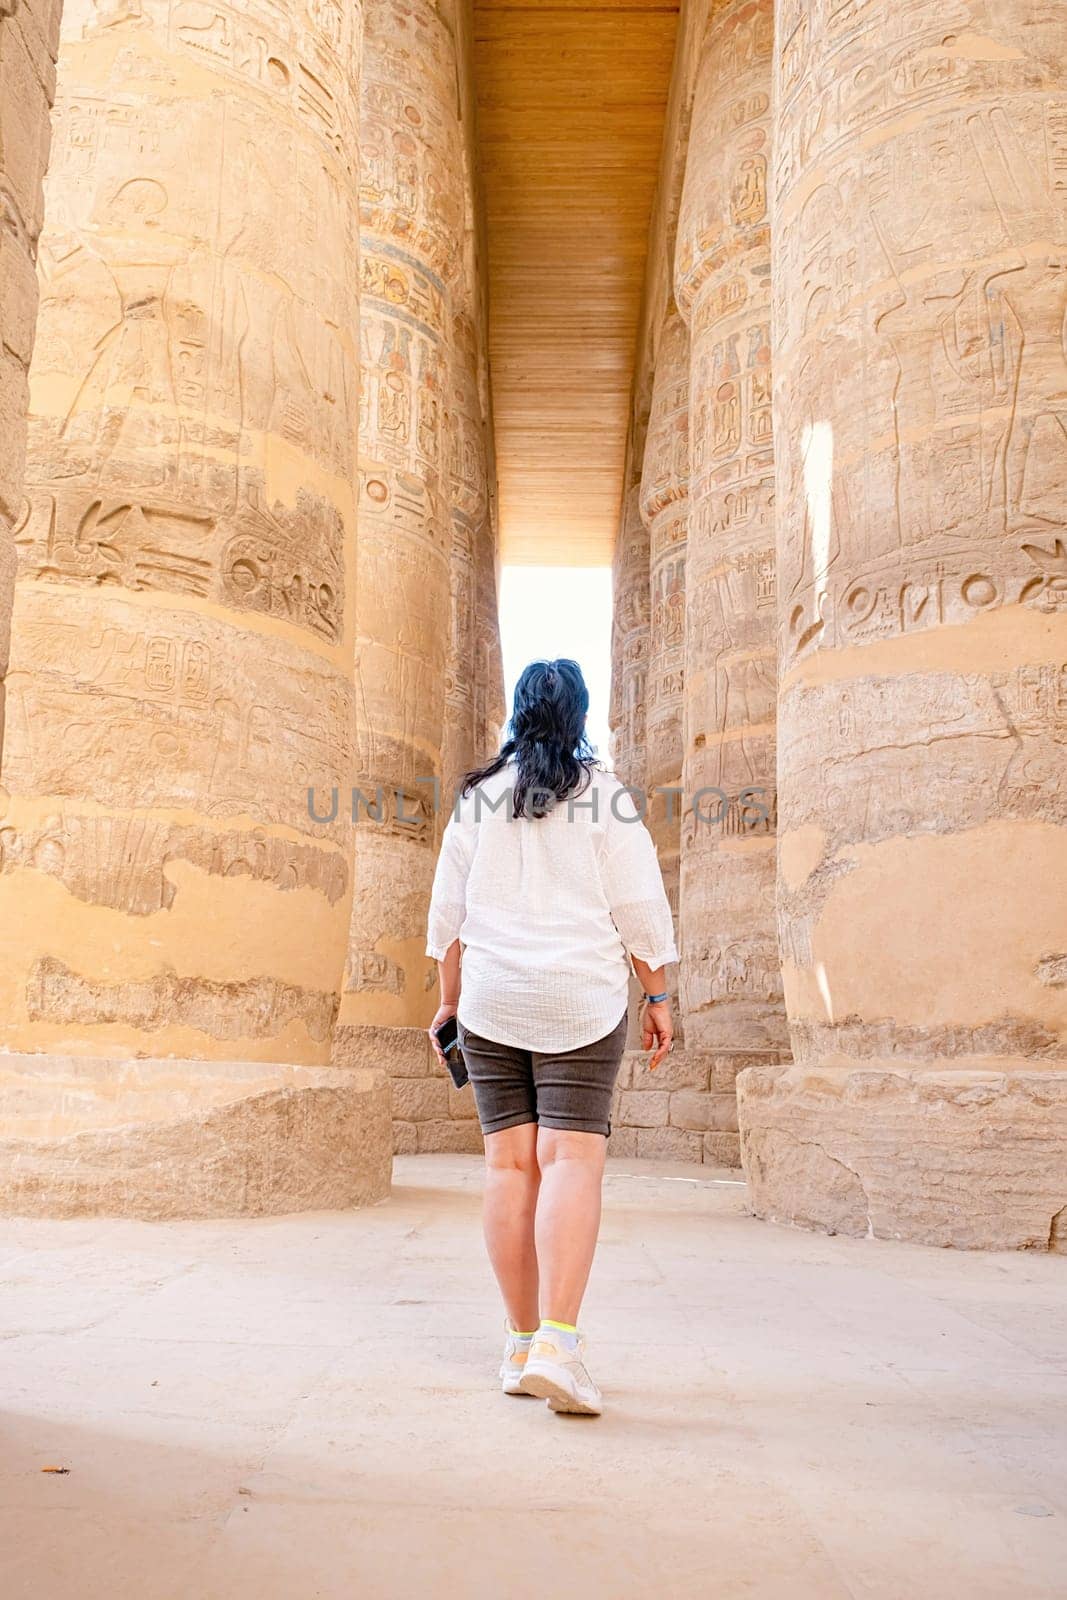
(564, 1327)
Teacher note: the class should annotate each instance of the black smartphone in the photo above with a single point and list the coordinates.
(447, 1036)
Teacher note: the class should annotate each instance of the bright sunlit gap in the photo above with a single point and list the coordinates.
(560, 611)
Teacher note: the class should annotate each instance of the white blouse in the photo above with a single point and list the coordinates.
(546, 910)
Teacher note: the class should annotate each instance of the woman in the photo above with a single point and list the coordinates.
(547, 879)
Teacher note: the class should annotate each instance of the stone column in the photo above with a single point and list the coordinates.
(730, 980)
(920, 297)
(29, 34)
(469, 507)
(630, 641)
(183, 639)
(665, 512)
(627, 708)
(490, 710)
(411, 207)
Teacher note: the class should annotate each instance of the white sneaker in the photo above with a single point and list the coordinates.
(557, 1373)
(513, 1365)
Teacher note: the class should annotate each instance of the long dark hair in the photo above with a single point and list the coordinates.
(546, 737)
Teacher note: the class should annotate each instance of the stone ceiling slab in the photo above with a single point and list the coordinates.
(571, 101)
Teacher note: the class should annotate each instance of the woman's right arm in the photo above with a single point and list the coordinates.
(448, 897)
(448, 908)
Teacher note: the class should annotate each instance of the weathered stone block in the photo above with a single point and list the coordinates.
(625, 1073)
(971, 1159)
(452, 1138)
(669, 1144)
(700, 1110)
(722, 1150)
(681, 1069)
(419, 1099)
(166, 1138)
(398, 1052)
(724, 1068)
(461, 1104)
(405, 1139)
(643, 1108)
(622, 1141)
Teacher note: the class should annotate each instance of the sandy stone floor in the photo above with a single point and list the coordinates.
(306, 1408)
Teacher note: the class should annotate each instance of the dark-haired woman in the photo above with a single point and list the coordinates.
(548, 881)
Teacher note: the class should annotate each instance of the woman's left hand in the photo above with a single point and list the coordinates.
(442, 1014)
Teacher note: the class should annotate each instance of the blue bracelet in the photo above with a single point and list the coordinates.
(654, 999)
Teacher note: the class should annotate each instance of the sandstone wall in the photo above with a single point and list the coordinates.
(920, 234)
(684, 1111)
(29, 35)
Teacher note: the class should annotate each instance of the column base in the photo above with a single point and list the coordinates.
(429, 1113)
(973, 1159)
(161, 1138)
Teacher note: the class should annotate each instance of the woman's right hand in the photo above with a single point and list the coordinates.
(657, 1029)
(442, 1014)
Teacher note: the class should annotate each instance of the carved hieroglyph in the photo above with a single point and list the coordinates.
(921, 418)
(730, 977)
(183, 637)
(29, 31)
(665, 512)
(412, 215)
(630, 642)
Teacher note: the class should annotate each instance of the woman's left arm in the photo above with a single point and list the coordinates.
(633, 885)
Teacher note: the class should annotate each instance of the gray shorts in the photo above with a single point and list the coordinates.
(569, 1089)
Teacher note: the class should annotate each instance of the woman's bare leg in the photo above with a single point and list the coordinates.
(512, 1179)
(568, 1217)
